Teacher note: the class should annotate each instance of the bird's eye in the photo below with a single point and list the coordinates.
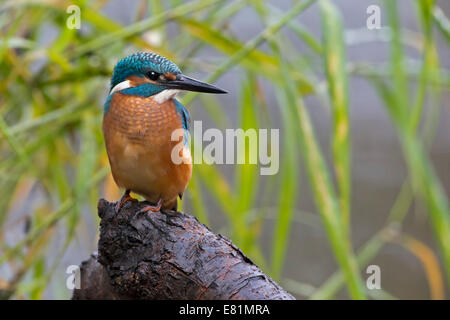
(152, 75)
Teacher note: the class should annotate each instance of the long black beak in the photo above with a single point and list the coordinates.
(186, 83)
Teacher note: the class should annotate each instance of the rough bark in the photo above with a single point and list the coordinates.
(168, 256)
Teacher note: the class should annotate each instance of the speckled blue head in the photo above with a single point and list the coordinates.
(139, 64)
(161, 74)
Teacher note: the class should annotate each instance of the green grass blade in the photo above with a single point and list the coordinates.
(143, 25)
(288, 186)
(425, 181)
(247, 173)
(267, 34)
(335, 64)
(324, 194)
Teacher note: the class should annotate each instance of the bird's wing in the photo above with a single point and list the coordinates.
(186, 119)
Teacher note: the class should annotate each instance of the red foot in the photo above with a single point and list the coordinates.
(125, 198)
(152, 208)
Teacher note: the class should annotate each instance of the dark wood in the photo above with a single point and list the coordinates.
(156, 255)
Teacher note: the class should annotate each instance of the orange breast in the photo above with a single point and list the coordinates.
(137, 135)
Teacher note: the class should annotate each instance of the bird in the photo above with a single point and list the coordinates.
(140, 114)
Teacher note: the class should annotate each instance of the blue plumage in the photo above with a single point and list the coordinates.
(185, 119)
(139, 64)
(107, 104)
(144, 90)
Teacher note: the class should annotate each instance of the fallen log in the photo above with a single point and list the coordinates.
(157, 255)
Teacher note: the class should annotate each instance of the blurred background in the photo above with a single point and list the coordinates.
(364, 127)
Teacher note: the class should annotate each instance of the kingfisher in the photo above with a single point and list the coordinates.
(141, 113)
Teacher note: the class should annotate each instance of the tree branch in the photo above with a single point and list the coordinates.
(168, 256)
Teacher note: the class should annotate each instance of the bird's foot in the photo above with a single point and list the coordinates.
(151, 208)
(125, 198)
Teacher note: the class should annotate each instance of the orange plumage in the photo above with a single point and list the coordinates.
(137, 133)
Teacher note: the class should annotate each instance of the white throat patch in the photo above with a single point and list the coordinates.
(120, 86)
(161, 97)
(165, 95)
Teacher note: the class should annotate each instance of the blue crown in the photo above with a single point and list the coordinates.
(139, 64)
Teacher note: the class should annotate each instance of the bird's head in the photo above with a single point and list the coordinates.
(148, 74)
